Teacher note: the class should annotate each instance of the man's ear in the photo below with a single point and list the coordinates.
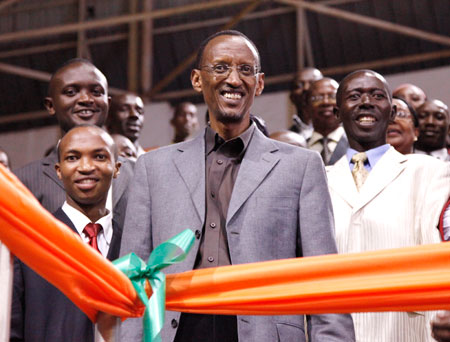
(117, 169)
(336, 113)
(393, 113)
(48, 103)
(196, 80)
(58, 170)
(260, 85)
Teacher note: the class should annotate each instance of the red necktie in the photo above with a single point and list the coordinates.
(92, 230)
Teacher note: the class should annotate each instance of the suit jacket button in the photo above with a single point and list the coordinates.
(174, 323)
(197, 234)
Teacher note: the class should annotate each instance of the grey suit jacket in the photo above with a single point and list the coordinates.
(41, 179)
(280, 208)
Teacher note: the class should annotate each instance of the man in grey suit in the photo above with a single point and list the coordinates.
(77, 94)
(247, 198)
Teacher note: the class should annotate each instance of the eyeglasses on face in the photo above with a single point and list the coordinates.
(224, 70)
(403, 115)
(321, 98)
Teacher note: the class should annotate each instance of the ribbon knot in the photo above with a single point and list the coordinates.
(138, 271)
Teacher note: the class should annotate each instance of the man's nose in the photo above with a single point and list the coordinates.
(85, 97)
(429, 120)
(234, 78)
(85, 165)
(365, 99)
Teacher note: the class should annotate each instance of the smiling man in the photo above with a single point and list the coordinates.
(328, 137)
(434, 124)
(126, 117)
(87, 165)
(383, 199)
(77, 94)
(248, 198)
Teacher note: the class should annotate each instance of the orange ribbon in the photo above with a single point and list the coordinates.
(408, 279)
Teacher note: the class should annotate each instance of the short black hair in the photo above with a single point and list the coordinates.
(202, 46)
(114, 147)
(64, 65)
(411, 110)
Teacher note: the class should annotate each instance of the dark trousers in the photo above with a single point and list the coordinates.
(207, 328)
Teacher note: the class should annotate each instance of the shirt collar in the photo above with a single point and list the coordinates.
(80, 221)
(335, 136)
(373, 155)
(232, 147)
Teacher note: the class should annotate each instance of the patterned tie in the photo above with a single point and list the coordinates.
(325, 150)
(359, 172)
(92, 230)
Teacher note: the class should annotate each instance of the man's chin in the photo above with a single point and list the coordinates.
(230, 118)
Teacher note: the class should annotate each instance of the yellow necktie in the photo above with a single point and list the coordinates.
(359, 173)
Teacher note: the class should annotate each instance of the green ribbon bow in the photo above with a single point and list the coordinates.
(134, 268)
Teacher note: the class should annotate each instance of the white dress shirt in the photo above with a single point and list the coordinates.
(80, 221)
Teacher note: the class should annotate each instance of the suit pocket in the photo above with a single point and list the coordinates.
(290, 333)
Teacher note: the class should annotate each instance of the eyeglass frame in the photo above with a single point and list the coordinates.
(314, 99)
(212, 69)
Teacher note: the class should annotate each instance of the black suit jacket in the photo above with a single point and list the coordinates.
(42, 313)
(41, 179)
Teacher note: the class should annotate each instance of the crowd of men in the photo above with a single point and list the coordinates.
(359, 170)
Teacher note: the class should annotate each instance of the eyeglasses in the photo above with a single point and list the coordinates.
(403, 115)
(321, 98)
(224, 70)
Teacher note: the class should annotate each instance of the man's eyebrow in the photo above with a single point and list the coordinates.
(71, 151)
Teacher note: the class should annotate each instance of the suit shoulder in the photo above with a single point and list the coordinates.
(296, 151)
(29, 169)
(426, 162)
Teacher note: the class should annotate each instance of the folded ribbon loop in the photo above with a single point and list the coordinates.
(134, 268)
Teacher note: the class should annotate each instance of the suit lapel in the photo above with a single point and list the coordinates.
(114, 246)
(61, 215)
(190, 163)
(258, 160)
(385, 171)
(340, 150)
(340, 180)
(48, 166)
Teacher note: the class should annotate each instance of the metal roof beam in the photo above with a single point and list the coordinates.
(369, 21)
(118, 20)
(39, 75)
(7, 3)
(341, 69)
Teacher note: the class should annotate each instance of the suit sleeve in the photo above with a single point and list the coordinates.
(432, 200)
(17, 308)
(136, 236)
(317, 237)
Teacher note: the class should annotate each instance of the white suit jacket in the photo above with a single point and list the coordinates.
(398, 206)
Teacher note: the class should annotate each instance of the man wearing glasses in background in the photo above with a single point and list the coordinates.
(328, 137)
(247, 198)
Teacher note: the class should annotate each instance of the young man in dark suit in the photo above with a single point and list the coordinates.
(87, 164)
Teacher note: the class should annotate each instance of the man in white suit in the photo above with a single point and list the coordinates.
(247, 198)
(391, 201)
